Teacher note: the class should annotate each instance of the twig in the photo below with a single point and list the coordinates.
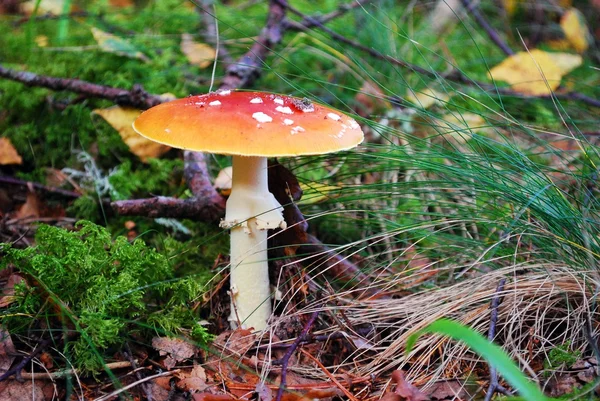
(52, 190)
(129, 355)
(247, 69)
(308, 22)
(288, 354)
(62, 374)
(206, 204)
(331, 377)
(495, 386)
(145, 379)
(210, 33)
(471, 7)
(136, 97)
(16, 370)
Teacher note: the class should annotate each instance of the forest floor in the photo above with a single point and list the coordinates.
(470, 207)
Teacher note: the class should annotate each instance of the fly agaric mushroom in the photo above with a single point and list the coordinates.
(250, 126)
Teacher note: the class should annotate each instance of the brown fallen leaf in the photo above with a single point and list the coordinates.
(121, 118)
(7, 351)
(404, 391)
(194, 380)
(371, 99)
(31, 207)
(51, 7)
(199, 54)
(175, 350)
(8, 292)
(536, 72)
(8, 153)
(224, 180)
(12, 390)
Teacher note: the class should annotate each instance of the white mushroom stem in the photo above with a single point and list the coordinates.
(251, 210)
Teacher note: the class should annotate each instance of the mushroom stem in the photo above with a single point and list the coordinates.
(251, 210)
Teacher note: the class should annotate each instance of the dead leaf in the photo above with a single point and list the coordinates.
(199, 54)
(121, 118)
(7, 351)
(426, 98)
(12, 390)
(8, 292)
(52, 7)
(193, 381)
(404, 391)
(451, 390)
(8, 153)
(116, 45)
(41, 40)
(314, 192)
(175, 349)
(576, 30)
(371, 99)
(223, 181)
(536, 73)
(239, 341)
(211, 397)
(31, 207)
(121, 3)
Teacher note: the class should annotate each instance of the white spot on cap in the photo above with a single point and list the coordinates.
(167, 130)
(354, 124)
(262, 117)
(215, 103)
(333, 116)
(199, 103)
(284, 110)
(297, 129)
(278, 100)
(287, 121)
(225, 93)
(256, 100)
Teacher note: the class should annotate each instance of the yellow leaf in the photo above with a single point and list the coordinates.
(116, 45)
(427, 98)
(457, 128)
(8, 153)
(510, 6)
(536, 72)
(52, 7)
(575, 29)
(121, 118)
(199, 54)
(566, 62)
(41, 40)
(314, 192)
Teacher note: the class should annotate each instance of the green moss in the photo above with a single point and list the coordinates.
(103, 289)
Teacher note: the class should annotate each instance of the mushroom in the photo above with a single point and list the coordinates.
(250, 126)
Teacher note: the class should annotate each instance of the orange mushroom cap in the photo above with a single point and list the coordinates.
(249, 124)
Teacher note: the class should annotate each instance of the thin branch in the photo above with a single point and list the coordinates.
(132, 385)
(288, 354)
(308, 22)
(136, 97)
(38, 186)
(471, 7)
(15, 370)
(210, 33)
(495, 386)
(243, 73)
